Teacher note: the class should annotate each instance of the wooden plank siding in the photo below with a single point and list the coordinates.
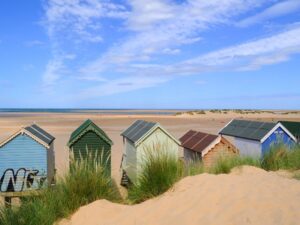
(22, 159)
(223, 148)
(93, 143)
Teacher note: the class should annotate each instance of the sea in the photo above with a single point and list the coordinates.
(92, 111)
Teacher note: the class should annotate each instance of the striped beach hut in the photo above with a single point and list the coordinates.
(254, 138)
(88, 138)
(138, 138)
(205, 147)
(27, 160)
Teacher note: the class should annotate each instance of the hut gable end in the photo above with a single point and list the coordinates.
(83, 129)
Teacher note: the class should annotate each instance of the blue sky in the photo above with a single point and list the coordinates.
(150, 54)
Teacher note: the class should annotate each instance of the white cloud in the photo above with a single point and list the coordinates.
(261, 52)
(162, 24)
(276, 10)
(155, 32)
(80, 18)
(54, 70)
(121, 85)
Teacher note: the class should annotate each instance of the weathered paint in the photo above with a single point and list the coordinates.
(23, 164)
(92, 143)
(278, 136)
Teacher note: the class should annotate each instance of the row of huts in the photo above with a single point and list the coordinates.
(27, 157)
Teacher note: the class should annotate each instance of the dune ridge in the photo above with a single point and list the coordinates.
(247, 195)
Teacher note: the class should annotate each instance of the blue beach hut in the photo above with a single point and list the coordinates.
(254, 138)
(26, 160)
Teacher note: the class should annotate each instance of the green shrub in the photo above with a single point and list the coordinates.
(159, 171)
(86, 182)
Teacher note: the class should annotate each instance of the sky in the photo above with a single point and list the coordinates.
(160, 54)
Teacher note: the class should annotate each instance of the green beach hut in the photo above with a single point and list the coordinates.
(89, 138)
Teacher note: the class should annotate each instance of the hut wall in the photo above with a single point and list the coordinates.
(220, 149)
(278, 136)
(92, 143)
(248, 147)
(158, 138)
(190, 156)
(131, 160)
(51, 164)
(23, 163)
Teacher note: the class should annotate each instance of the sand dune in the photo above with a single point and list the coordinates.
(246, 196)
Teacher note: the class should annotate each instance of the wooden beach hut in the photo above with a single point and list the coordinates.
(88, 138)
(205, 147)
(254, 138)
(293, 127)
(140, 137)
(27, 160)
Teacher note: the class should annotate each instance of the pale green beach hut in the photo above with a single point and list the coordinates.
(140, 137)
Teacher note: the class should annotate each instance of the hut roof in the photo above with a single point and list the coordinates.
(253, 130)
(293, 127)
(198, 141)
(35, 132)
(88, 125)
(140, 129)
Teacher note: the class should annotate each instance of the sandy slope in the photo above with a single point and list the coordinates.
(246, 196)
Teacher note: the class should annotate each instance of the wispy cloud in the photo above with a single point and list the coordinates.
(80, 18)
(155, 33)
(69, 24)
(160, 26)
(276, 10)
(121, 85)
(254, 54)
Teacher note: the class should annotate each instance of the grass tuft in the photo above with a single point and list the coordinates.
(86, 182)
(159, 171)
(225, 163)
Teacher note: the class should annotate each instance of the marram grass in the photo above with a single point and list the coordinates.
(158, 172)
(86, 182)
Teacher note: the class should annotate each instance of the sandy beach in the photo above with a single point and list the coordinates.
(60, 125)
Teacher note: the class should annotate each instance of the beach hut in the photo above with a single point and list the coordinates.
(27, 160)
(88, 138)
(205, 147)
(140, 137)
(254, 138)
(293, 127)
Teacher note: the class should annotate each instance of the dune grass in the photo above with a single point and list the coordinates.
(158, 172)
(225, 164)
(280, 157)
(86, 182)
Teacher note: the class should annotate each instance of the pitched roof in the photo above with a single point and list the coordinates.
(253, 130)
(140, 129)
(88, 125)
(137, 130)
(35, 132)
(293, 127)
(197, 141)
